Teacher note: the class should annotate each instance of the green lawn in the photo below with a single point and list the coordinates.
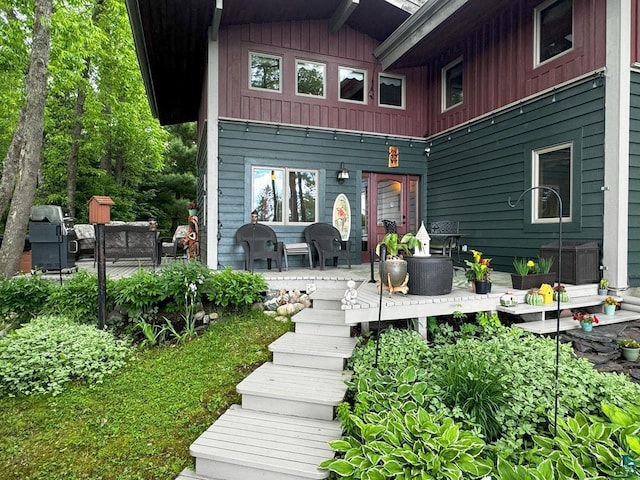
(140, 422)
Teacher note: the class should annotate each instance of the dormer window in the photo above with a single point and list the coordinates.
(553, 29)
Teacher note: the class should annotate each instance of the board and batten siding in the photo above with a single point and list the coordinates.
(312, 40)
(634, 183)
(292, 147)
(498, 66)
(472, 172)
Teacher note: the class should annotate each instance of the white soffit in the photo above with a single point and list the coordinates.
(420, 24)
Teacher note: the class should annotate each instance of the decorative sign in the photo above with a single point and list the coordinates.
(394, 156)
(342, 216)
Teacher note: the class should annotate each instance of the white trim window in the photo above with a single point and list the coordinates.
(553, 168)
(391, 90)
(553, 32)
(311, 79)
(351, 84)
(285, 196)
(265, 72)
(452, 92)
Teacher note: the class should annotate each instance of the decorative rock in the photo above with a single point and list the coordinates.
(270, 313)
(281, 318)
(213, 316)
(199, 315)
(286, 309)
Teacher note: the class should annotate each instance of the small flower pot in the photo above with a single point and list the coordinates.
(630, 354)
(483, 287)
(603, 292)
(609, 309)
(193, 211)
(586, 327)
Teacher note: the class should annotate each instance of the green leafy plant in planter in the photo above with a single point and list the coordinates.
(630, 349)
(530, 274)
(398, 247)
(603, 287)
(393, 270)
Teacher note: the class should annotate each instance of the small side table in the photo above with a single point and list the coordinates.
(431, 275)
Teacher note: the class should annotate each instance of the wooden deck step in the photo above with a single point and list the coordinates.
(312, 321)
(540, 310)
(244, 445)
(301, 392)
(328, 298)
(312, 351)
(568, 323)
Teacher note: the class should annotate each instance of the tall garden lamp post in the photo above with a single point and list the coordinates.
(513, 205)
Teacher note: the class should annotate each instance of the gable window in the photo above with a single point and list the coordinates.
(391, 90)
(351, 84)
(265, 72)
(311, 79)
(552, 167)
(284, 195)
(452, 93)
(553, 29)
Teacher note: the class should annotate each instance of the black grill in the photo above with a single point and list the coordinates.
(53, 243)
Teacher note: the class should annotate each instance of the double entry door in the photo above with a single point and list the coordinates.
(387, 197)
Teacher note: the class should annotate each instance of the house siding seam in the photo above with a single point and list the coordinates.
(240, 149)
(490, 163)
(312, 40)
(634, 183)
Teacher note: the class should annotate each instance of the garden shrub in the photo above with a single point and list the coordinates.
(24, 296)
(411, 375)
(52, 350)
(474, 386)
(175, 279)
(77, 297)
(235, 289)
(411, 445)
(138, 294)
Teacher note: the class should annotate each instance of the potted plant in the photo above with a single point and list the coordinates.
(603, 287)
(610, 305)
(481, 272)
(393, 268)
(587, 320)
(630, 349)
(530, 274)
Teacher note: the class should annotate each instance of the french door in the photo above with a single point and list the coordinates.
(387, 197)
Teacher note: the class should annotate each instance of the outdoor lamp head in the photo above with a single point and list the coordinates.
(343, 174)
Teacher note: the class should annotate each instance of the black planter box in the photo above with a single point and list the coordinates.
(533, 280)
(580, 260)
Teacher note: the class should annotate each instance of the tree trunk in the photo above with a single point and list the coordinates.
(27, 142)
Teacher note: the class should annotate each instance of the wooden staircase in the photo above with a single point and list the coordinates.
(287, 417)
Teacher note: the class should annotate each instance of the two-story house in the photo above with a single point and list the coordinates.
(437, 109)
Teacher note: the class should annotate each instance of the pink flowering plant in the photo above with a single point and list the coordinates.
(583, 317)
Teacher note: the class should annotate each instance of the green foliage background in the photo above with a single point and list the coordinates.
(123, 152)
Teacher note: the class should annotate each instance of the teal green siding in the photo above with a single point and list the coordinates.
(472, 172)
(634, 183)
(242, 146)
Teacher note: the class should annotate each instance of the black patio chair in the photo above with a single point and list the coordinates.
(259, 242)
(444, 236)
(328, 244)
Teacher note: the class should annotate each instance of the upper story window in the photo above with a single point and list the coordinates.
(311, 79)
(391, 90)
(265, 72)
(553, 29)
(552, 168)
(351, 83)
(285, 195)
(452, 93)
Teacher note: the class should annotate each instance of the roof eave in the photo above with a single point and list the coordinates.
(141, 52)
(418, 26)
